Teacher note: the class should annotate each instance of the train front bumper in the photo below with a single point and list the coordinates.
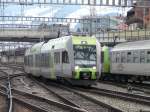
(85, 73)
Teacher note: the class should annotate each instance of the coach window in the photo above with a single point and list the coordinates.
(37, 61)
(123, 57)
(45, 59)
(148, 56)
(142, 56)
(135, 57)
(65, 58)
(129, 57)
(42, 60)
(117, 57)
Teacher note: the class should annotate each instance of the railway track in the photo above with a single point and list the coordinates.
(44, 103)
(12, 76)
(126, 98)
(71, 97)
(121, 95)
(17, 101)
(130, 87)
(13, 66)
(79, 100)
(33, 102)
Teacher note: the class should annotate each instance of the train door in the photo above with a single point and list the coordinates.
(66, 66)
(57, 63)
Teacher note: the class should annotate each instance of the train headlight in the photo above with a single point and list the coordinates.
(94, 67)
(76, 67)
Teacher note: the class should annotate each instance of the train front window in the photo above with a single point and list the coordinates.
(85, 55)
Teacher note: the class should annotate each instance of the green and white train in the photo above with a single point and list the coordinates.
(75, 59)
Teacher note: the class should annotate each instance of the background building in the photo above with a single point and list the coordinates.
(99, 24)
(139, 17)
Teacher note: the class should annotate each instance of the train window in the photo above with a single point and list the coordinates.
(123, 57)
(37, 60)
(53, 47)
(56, 57)
(65, 58)
(102, 56)
(129, 57)
(148, 56)
(118, 57)
(142, 56)
(42, 60)
(135, 57)
(46, 59)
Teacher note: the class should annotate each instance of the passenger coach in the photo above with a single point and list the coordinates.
(131, 60)
(70, 58)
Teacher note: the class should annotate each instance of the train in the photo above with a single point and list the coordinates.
(74, 59)
(81, 60)
(129, 61)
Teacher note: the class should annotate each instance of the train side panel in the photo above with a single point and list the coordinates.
(106, 59)
(131, 60)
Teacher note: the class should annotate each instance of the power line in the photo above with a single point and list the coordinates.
(116, 3)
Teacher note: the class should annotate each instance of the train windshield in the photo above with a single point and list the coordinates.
(85, 55)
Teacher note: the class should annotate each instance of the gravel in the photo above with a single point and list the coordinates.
(125, 106)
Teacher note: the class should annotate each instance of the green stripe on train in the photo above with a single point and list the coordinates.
(106, 63)
(77, 72)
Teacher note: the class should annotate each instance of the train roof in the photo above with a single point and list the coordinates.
(63, 41)
(60, 43)
(34, 49)
(56, 43)
(144, 44)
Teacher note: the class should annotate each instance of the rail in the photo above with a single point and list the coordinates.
(10, 96)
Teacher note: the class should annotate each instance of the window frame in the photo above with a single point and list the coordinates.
(123, 57)
(65, 57)
(143, 56)
(129, 57)
(148, 57)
